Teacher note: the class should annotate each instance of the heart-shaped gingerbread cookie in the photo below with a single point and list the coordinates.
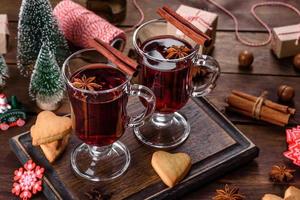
(54, 149)
(271, 197)
(49, 128)
(292, 193)
(171, 168)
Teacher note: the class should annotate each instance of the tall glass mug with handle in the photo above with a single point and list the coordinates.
(167, 65)
(98, 94)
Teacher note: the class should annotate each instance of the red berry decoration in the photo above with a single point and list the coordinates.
(28, 180)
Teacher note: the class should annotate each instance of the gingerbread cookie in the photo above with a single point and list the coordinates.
(292, 193)
(49, 128)
(54, 149)
(171, 168)
(271, 197)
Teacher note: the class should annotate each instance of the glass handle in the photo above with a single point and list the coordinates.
(148, 96)
(210, 64)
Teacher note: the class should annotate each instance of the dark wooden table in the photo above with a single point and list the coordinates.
(267, 74)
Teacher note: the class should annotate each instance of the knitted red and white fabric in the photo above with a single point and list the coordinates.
(79, 25)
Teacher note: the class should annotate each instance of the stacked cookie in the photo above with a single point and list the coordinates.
(292, 193)
(51, 133)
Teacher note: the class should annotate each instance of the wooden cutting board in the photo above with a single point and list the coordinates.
(215, 145)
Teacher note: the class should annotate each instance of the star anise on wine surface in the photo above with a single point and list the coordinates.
(228, 193)
(281, 173)
(174, 52)
(86, 83)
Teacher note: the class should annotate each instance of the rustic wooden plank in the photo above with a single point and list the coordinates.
(253, 179)
(252, 85)
(241, 10)
(247, 22)
(264, 60)
(227, 49)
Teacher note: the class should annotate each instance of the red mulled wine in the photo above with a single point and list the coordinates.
(170, 81)
(99, 118)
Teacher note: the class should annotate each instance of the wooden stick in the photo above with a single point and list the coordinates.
(185, 26)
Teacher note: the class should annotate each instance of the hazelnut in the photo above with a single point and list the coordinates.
(245, 59)
(285, 93)
(296, 61)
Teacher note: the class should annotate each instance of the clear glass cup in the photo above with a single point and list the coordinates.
(100, 116)
(172, 82)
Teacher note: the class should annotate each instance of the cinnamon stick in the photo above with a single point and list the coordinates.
(126, 64)
(250, 115)
(268, 103)
(245, 106)
(184, 26)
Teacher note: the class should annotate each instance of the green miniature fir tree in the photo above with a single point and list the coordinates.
(46, 85)
(37, 25)
(3, 71)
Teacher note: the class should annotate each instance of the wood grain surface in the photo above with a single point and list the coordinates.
(267, 73)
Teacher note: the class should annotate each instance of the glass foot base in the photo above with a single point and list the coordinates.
(100, 163)
(164, 131)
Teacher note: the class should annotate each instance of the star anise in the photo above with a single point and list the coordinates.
(177, 52)
(95, 194)
(228, 193)
(86, 83)
(280, 173)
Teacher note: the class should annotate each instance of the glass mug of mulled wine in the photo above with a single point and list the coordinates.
(98, 94)
(167, 64)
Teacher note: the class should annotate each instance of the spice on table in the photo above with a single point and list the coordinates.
(296, 61)
(280, 173)
(245, 59)
(174, 52)
(285, 93)
(95, 194)
(228, 193)
(86, 83)
(259, 108)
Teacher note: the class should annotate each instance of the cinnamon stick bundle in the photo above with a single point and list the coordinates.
(269, 111)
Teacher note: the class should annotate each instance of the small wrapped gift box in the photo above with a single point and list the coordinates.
(286, 41)
(205, 21)
(4, 33)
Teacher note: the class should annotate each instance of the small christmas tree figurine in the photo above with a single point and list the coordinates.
(37, 25)
(46, 85)
(3, 71)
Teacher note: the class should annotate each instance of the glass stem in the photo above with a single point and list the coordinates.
(162, 120)
(99, 152)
